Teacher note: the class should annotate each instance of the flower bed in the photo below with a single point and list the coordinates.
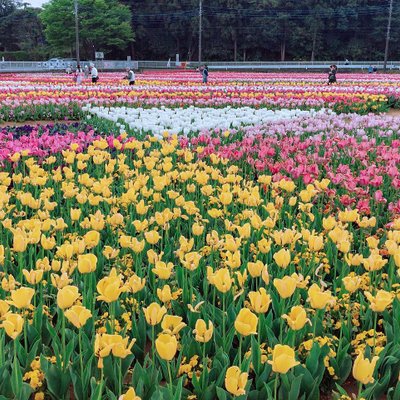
(215, 270)
(29, 97)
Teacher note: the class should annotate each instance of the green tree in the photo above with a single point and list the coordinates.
(104, 25)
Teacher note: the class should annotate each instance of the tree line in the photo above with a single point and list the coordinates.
(233, 30)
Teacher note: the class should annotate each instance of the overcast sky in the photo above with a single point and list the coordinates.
(36, 3)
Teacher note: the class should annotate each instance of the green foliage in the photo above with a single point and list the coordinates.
(104, 25)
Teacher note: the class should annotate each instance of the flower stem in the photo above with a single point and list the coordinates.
(170, 377)
(153, 354)
(240, 351)
(64, 361)
(25, 334)
(359, 390)
(276, 387)
(101, 385)
(223, 317)
(81, 356)
(375, 321)
(119, 376)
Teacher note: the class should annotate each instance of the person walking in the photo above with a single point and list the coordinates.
(332, 74)
(130, 76)
(78, 75)
(86, 71)
(94, 74)
(205, 74)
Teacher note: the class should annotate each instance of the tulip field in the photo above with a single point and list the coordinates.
(173, 240)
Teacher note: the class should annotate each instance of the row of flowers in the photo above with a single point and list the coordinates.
(192, 120)
(359, 154)
(35, 96)
(147, 269)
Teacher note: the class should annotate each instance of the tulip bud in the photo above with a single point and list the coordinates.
(246, 322)
(87, 263)
(166, 346)
(67, 296)
(283, 359)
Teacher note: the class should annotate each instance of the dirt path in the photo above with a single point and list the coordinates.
(393, 112)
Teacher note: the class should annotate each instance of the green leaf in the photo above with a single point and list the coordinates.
(295, 388)
(221, 393)
(16, 379)
(255, 355)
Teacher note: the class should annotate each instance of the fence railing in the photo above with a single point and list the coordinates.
(111, 65)
(60, 65)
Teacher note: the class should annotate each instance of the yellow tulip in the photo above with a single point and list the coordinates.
(246, 322)
(110, 253)
(363, 369)
(154, 313)
(13, 325)
(33, 277)
(235, 381)
(265, 275)
(87, 263)
(222, 280)
(91, 239)
(110, 287)
(282, 258)
(191, 260)
(19, 243)
(135, 283)
(260, 301)
(78, 315)
(106, 344)
(75, 214)
(264, 245)
(255, 268)
(319, 298)
(285, 286)
(283, 359)
(141, 209)
(396, 257)
(225, 198)
(67, 296)
(297, 318)
(380, 301)
(374, 262)
(164, 294)
(172, 324)
(136, 245)
(129, 395)
(162, 269)
(4, 307)
(348, 216)
(315, 243)
(201, 332)
(166, 346)
(152, 237)
(60, 281)
(197, 229)
(1, 254)
(352, 283)
(22, 297)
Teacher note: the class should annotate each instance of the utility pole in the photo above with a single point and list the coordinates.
(200, 27)
(76, 31)
(388, 35)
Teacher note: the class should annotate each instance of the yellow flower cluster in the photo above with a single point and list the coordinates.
(111, 240)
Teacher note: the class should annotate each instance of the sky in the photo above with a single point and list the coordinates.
(36, 3)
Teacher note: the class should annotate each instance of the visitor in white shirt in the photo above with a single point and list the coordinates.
(94, 74)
